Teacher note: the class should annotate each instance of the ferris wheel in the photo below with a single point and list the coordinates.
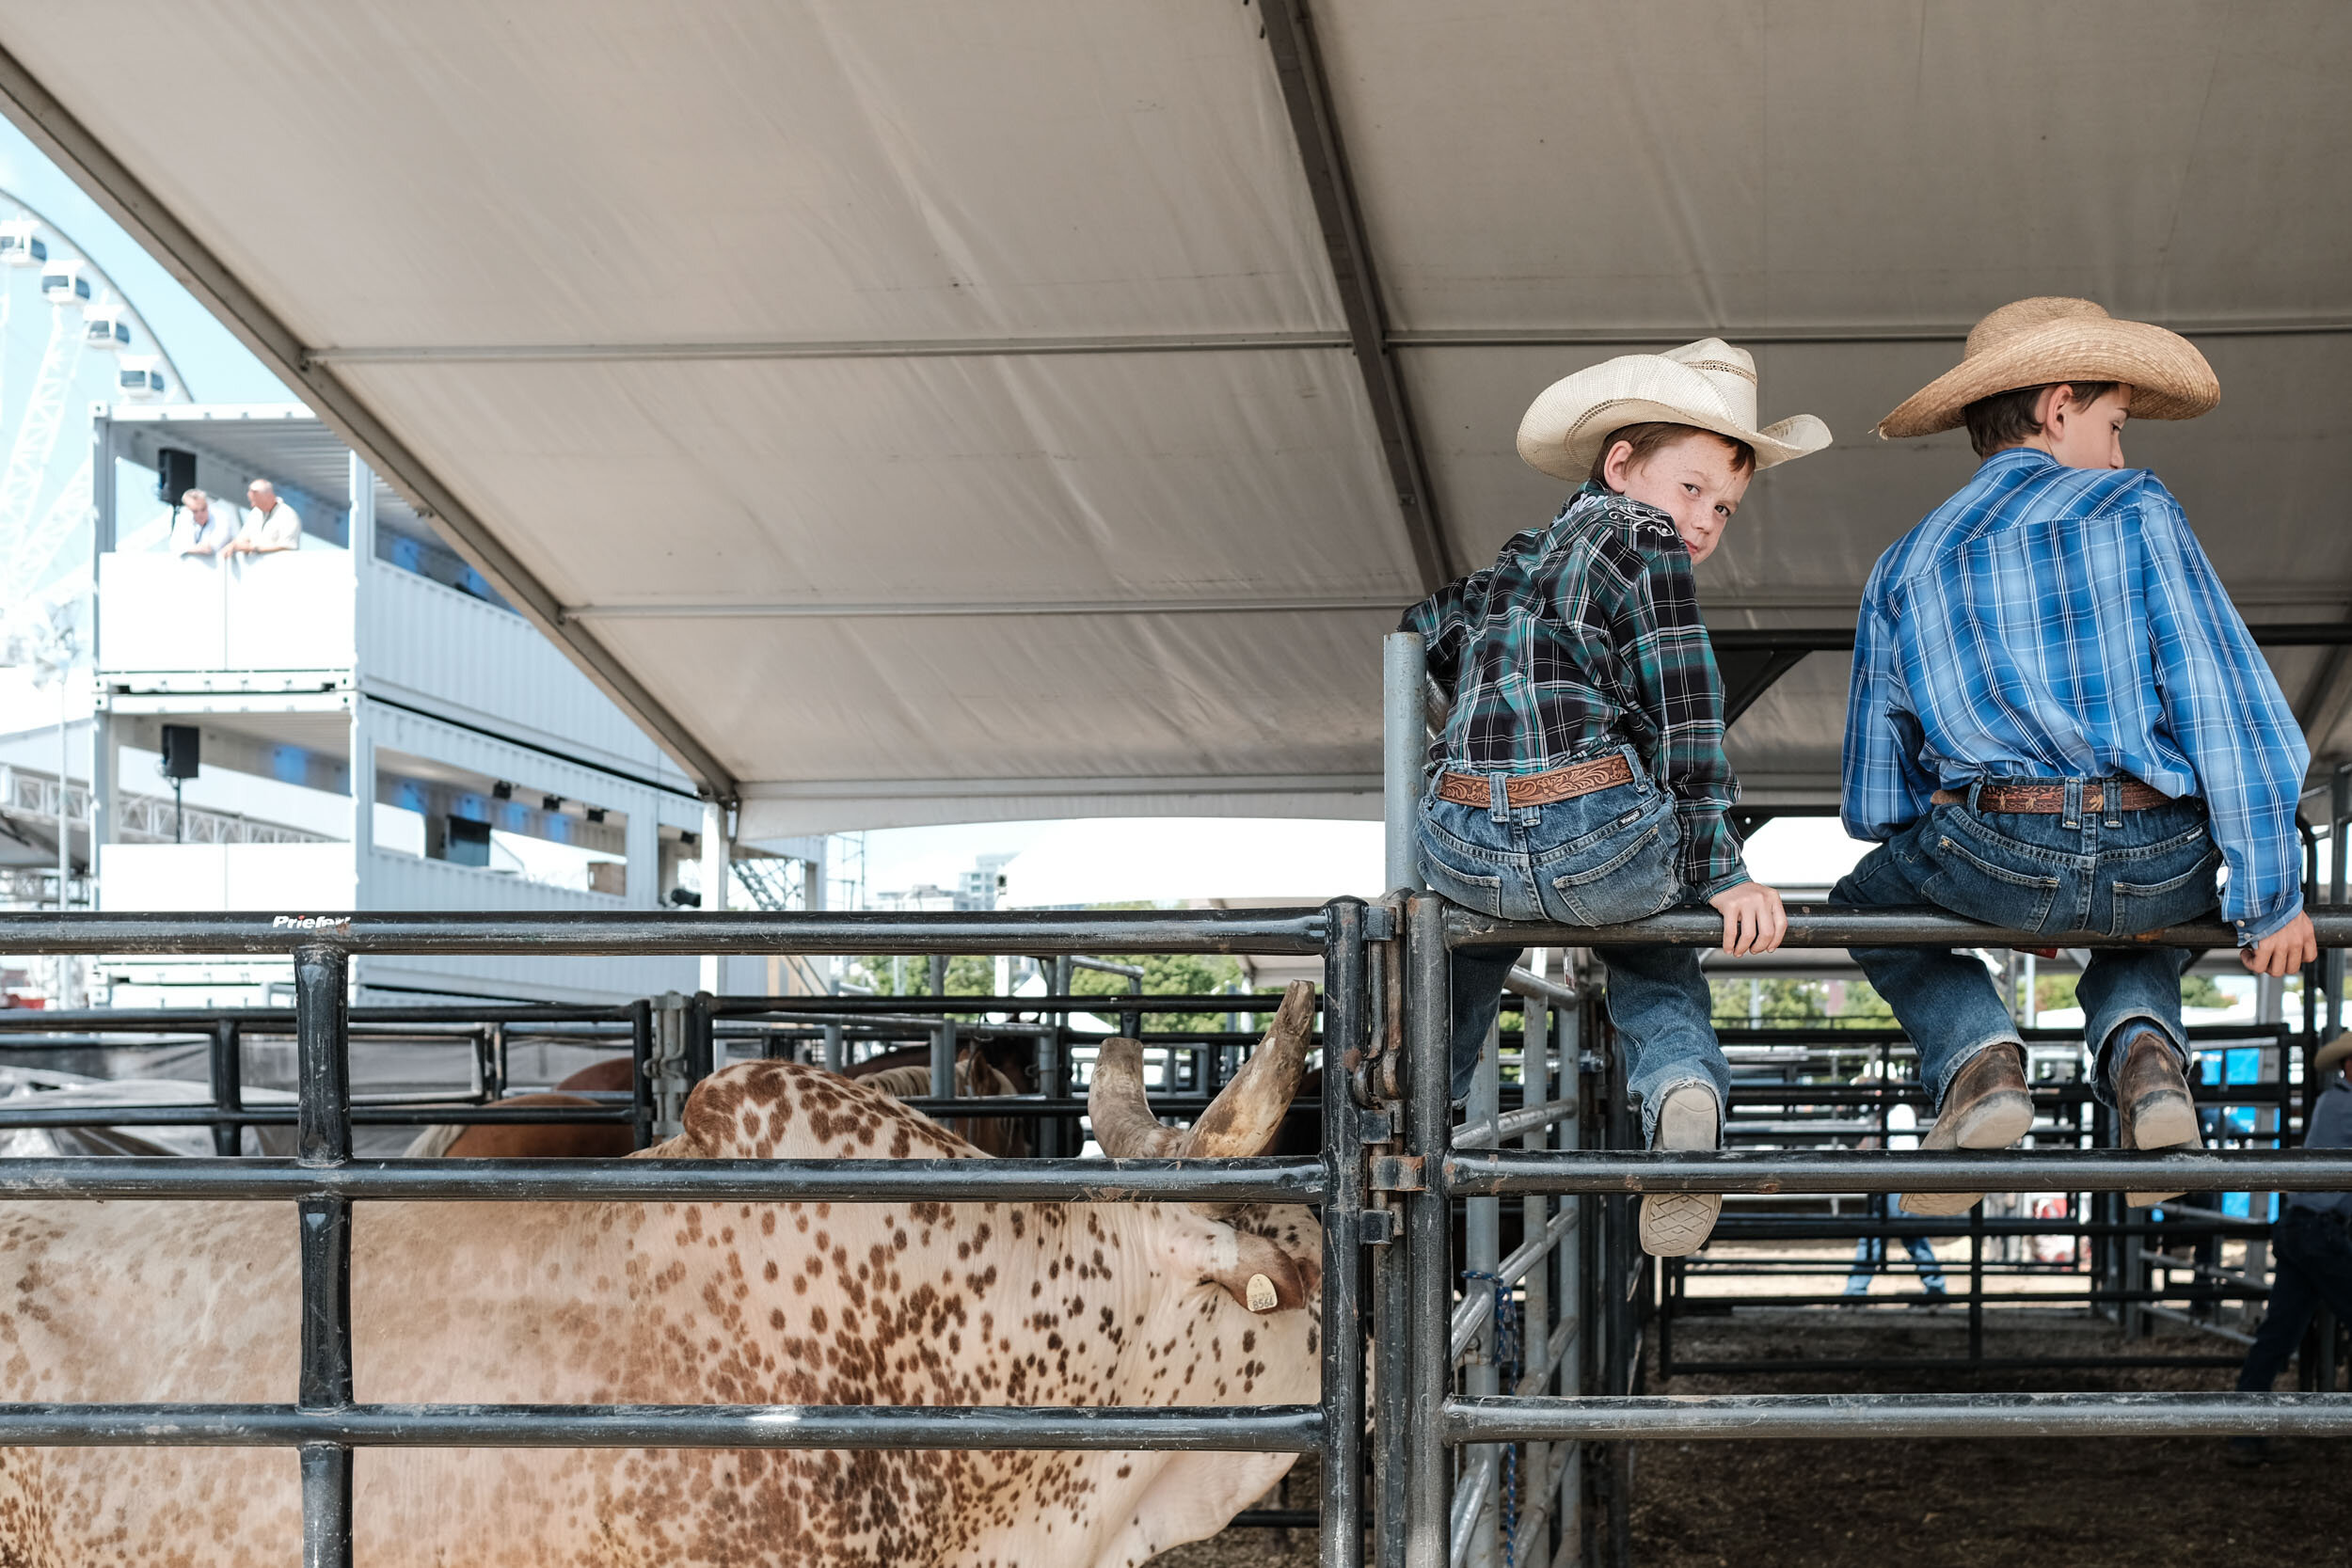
(68, 338)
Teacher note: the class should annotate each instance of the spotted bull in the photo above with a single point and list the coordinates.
(791, 1303)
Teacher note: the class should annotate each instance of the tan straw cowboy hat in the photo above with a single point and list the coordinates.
(2037, 342)
(2333, 1052)
(1708, 384)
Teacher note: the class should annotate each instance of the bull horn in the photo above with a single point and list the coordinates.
(1245, 1115)
(1123, 1122)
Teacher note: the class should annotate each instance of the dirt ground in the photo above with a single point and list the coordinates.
(2109, 1503)
(2151, 1503)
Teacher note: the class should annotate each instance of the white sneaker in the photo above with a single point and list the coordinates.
(1675, 1225)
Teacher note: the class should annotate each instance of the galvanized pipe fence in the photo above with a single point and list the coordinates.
(326, 1421)
(1441, 1393)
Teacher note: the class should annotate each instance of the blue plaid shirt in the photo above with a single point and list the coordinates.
(2049, 621)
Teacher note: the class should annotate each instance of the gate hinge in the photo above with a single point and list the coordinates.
(1397, 1173)
(1379, 923)
(1379, 1226)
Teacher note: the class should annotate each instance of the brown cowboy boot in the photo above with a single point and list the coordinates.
(2153, 1108)
(1988, 1106)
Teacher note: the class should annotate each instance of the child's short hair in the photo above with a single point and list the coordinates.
(2006, 419)
(1649, 439)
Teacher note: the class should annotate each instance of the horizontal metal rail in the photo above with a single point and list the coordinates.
(1819, 1416)
(1486, 1132)
(454, 1019)
(1101, 1001)
(1270, 1429)
(534, 931)
(287, 1116)
(1504, 1172)
(1812, 925)
(671, 1180)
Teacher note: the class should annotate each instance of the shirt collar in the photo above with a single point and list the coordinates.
(2018, 459)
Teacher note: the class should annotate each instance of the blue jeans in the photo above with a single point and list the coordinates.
(1869, 1257)
(2117, 873)
(2313, 1254)
(1594, 859)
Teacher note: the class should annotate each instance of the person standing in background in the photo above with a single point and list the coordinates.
(2312, 1251)
(270, 526)
(199, 531)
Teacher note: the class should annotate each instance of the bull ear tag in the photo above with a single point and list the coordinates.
(1262, 1294)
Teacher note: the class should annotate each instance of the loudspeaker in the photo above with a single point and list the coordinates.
(182, 745)
(175, 474)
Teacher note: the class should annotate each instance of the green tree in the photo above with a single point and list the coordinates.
(2199, 991)
(2054, 992)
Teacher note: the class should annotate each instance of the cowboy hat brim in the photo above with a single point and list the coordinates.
(1570, 422)
(2333, 1052)
(2168, 378)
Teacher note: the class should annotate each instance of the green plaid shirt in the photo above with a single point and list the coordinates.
(1582, 637)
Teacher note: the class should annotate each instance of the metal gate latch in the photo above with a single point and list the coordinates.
(1397, 1173)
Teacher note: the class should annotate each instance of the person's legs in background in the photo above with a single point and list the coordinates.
(1869, 1252)
(1478, 977)
(2310, 1267)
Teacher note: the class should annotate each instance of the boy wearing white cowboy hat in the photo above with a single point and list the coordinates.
(2311, 1245)
(1581, 777)
(2058, 724)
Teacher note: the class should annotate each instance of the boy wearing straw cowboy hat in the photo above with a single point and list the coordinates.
(2312, 1244)
(2058, 724)
(1581, 777)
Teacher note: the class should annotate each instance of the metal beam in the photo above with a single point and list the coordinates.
(872, 348)
(1298, 66)
(126, 199)
(1360, 604)
(1119, 785)
(1635, 336)
(1504, 1172)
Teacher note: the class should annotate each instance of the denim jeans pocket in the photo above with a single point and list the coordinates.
(1474, 875)
(2172, 902)
(1970, 880)
(1625, 875)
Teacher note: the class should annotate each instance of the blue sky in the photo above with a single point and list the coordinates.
(216, 368)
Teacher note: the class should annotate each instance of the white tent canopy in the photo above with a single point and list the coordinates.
(918, 411)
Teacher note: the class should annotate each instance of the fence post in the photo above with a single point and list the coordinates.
(1481, 1252)
(944, 1060)
(641, 1074)
(323, 1140)
(1345, 1038)
(1404, 673)
(1571, 1280)
(1534, 1216)
(227, 1075)
(669, 1069)
(1428, 1118)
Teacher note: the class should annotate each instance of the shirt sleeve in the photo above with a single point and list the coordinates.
(1885, 789)
(1671, 666)
(1444, 627)
(2228, 717)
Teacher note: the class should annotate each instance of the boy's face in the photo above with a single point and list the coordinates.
(1691, 480)
(2084, 436)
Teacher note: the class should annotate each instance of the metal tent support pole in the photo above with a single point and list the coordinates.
(1347, 1034)
(324, 1140)
(1427, 1134)
(1404, 673)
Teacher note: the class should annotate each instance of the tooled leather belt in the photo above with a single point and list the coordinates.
(2049, 798)
(1538, 789)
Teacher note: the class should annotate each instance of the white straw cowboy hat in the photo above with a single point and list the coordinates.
(2038, 342)
(1708, 384)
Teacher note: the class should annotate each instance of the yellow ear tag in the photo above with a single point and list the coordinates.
(1262, 1294)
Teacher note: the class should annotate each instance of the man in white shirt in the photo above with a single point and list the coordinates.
(270, 525)
(198, 531)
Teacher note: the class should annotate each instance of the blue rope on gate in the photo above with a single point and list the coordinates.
(1507, 1372)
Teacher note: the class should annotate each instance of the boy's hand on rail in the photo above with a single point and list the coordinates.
(1753, 920)
(2284, 950)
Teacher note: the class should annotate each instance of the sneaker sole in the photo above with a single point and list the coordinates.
(1995, 1121)
(2169, 1121)
(1675, 1225)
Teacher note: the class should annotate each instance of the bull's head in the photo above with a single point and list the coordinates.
(1257, 1271)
